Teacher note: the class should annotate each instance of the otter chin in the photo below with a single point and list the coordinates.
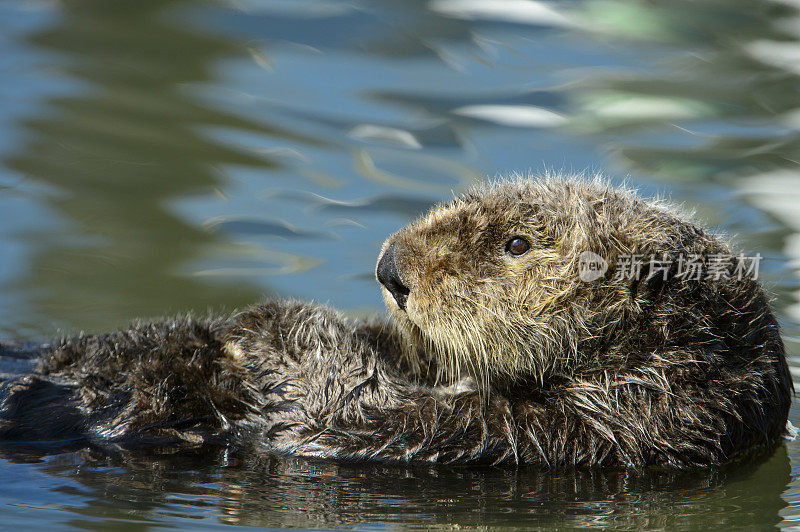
(539, 321)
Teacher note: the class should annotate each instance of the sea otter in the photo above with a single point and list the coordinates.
(501, 350)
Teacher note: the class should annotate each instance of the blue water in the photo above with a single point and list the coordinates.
(160, 157)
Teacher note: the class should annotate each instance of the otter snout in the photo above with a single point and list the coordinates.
(389, 277)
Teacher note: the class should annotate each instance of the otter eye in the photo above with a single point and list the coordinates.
(517, 246)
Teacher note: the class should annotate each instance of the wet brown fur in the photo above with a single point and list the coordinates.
(494, 359)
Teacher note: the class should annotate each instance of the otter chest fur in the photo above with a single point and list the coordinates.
(501, 349)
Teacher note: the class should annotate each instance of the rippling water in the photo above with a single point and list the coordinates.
(160, 157)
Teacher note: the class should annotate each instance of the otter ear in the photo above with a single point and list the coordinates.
(654, 276)
(648, 284)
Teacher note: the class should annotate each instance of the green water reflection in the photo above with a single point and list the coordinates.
(103, 492)
(114, 155)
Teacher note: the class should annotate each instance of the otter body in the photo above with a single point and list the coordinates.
(499, 352)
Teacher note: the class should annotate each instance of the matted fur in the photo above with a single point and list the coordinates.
(495, 358)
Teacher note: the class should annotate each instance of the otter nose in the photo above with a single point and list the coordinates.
(389, 277)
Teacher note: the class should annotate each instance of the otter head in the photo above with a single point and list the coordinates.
(491, 282)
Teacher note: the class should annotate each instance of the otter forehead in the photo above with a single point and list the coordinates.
(548, 213)
(459, 238)
(458, 221)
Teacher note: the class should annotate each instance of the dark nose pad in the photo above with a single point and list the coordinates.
(389, 277)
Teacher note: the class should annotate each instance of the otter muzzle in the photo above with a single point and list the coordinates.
(389, 277)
